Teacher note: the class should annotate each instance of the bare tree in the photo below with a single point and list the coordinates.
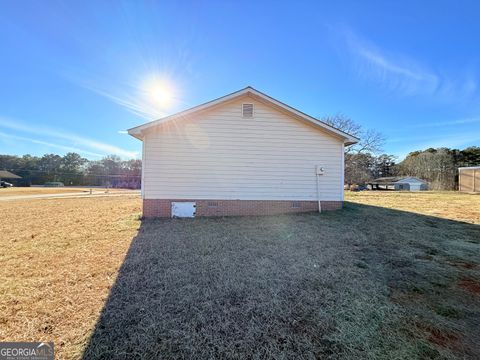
(343, 123)
(371, 141)
(360, 161)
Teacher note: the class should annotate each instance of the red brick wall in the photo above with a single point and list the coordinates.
(161, 207)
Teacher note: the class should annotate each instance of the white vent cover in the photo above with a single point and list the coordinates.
(183, 209)
(247, 110)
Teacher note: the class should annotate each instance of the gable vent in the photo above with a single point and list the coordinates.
(247, 110)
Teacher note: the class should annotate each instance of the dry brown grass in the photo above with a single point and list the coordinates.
(58, 260)
(444, 204)
(363, 283)
(25, 191)
(366, 282)
(18, 191)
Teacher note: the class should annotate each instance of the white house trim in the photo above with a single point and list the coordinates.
(348, 139)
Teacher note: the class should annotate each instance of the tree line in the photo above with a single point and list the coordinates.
(73, 170)
(439, 166)
(365, 161)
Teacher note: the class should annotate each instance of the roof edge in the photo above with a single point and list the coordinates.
(469, 167)
(137, 130)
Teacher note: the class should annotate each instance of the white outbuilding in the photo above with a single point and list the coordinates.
(411, 184)
(399, 183)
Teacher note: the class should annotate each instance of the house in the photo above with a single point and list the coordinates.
(408, 183)
(469, 179)
(242, 154)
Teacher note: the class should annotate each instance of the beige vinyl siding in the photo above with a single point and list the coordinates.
(222, 155)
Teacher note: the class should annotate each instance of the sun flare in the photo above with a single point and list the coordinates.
(158, 92)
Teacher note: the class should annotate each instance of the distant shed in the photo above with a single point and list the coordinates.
(469, 179)
(411, 184)
(405, 183)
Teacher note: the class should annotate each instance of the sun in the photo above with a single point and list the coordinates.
(159, 92)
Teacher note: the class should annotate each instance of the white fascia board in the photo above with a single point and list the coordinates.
(348, 139)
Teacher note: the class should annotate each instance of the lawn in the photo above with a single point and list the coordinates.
(34, 190)
(445, 204)
(366, 282)
(20, 191)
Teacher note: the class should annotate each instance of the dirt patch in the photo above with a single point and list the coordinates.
(470, 285)
(461, 264)
(443, 338)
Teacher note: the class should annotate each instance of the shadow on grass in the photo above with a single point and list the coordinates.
(344, 284)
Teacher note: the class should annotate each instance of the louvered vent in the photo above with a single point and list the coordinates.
(247, 110)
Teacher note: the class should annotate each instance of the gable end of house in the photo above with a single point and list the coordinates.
(242, 155)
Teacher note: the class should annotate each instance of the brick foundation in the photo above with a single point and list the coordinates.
(162, 208)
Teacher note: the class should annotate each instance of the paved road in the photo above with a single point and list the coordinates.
(69, 195)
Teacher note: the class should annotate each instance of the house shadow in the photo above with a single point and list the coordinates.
(252, 287)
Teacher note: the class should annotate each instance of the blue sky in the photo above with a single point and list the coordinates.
(74, 74)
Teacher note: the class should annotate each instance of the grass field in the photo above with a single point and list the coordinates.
(26, 191)
(372, 281)
(448, 204)
(17, 191)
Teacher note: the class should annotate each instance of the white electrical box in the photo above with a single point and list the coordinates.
(184, 209)
(320, 170)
